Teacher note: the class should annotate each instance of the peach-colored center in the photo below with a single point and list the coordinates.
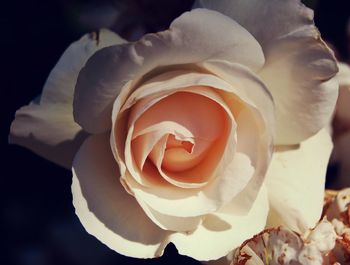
(176, 154)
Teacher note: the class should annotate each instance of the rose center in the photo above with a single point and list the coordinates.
(183, 135)
(179, 155)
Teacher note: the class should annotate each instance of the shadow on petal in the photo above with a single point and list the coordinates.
(214, 223)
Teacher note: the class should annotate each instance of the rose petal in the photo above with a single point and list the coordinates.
(142, 146)
(172, 223)
(48, 128)
(255, 151)
(59, 86)
(295, 181)
(49, 131)
(220, 233)
(190, 203)
(193, 37)
(105, 209)
(297, 62)
(247, 86)
(254, 114)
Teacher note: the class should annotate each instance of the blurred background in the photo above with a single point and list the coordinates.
(37, 217)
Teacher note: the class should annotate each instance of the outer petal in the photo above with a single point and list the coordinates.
(295, 182)
(297, 62)
(49, 131)
(48, 128)
(192, 38)
(105, 209)
(59, 86)
(221, 233)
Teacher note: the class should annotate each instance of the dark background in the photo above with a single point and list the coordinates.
(38, 224)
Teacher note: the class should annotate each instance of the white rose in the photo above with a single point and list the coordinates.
(181, 128)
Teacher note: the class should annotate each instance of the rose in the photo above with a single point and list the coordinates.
(341, 127)
(189, 115)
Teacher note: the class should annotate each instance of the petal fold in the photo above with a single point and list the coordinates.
(105, 209)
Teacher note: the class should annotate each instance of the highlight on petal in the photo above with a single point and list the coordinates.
(185, 43)
(295, 182)
(298, 63)
(46, 125)
(105, 209)
(220, 233)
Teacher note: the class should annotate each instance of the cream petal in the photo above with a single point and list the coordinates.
(186, 42)
(47, 127)
(190, 203)
(169, 200)
(295, 182)
(247, 86)
(255, 123)
(304, 99)
(60, 84)
(105, 209)
(172, 223)
(255, 141)
(220, 233)
(297, 62)
(149, 138)
(49, 131)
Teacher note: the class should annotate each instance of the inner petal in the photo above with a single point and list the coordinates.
(203, 117)
(183, 155)
(172, 142)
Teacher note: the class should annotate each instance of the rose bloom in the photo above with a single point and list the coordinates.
(201, 135)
